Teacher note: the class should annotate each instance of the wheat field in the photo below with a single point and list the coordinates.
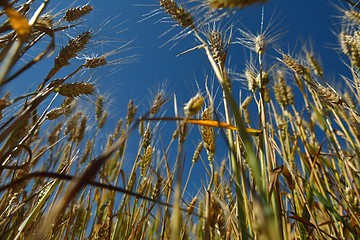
(283, 162)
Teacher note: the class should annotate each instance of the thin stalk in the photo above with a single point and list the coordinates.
(176, 221)
(187, 180)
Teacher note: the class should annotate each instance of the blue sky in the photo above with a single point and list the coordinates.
(302, 21)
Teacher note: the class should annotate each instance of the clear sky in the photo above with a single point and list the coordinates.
(300, 20)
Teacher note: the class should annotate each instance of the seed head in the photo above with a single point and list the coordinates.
(143, 186)
(262, 79)
(193, 106)
(178, 13)
(68, 105)
(145, 161)
(55, 113)
(207, 134)
(183, 130)
(146, 138)
(260, 44)
(283, 93)
(345, 42)
(191, 206)
(158, 102)
(314, 64)
(293, 64)
(95, 62)
(250, 77)
(175, 134)
(87, 151)
(68, 52)
(73, 14)
(222, 169)
(54, 135)
(45, 20)
(75, 89)
(110, 141)
(155, 193)
(197, 152)
(131, 113)
(329, 95)
(102, 120)
(246, 102)
(99, 107)
(118, 128)
(218, 47)
(353, 16)
(80, 131)
(71, 127)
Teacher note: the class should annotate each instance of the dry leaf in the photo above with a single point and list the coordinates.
(208, 123)
(18, 22)
(213, 123)
(285, 172)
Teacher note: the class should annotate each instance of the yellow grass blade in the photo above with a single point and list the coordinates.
(209, 123)
(213, 123)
